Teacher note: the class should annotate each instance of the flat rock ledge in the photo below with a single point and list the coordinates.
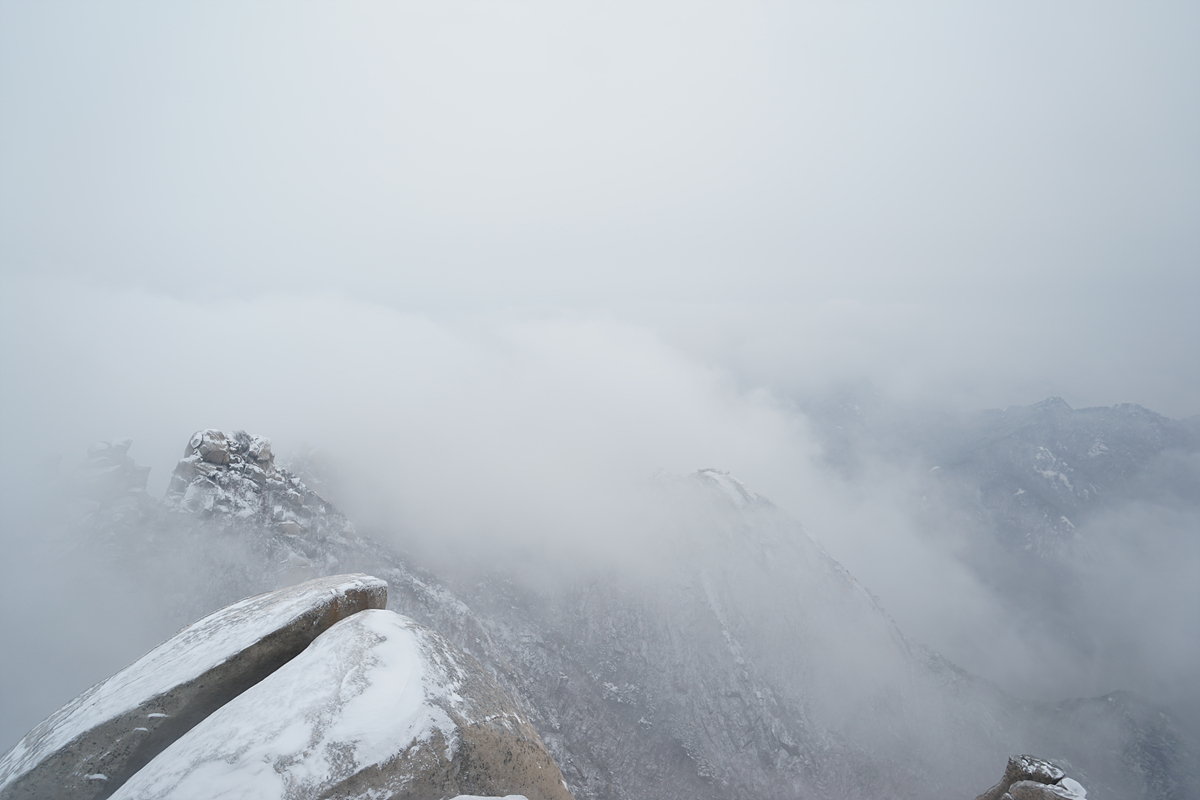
(94, 744)
(1032, 778)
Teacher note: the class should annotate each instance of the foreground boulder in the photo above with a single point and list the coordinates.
(91, 746)
(1030, 778)
(377, 707)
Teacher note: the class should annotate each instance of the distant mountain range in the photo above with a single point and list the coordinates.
(1084, 522)
(1035, 473)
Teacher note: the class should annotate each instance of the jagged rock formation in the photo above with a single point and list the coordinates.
(377, 707)
(1031, 778)
(235, 478)
(91, 746)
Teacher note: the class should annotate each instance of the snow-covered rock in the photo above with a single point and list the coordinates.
(210, 445)
(1032, 778)
(1032, 790)
(377, 707)
(233, 477)
(93, 744)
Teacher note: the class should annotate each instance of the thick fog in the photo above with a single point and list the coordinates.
(498, 265)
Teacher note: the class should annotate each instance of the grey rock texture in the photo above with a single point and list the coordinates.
(234, 477)
(1024, 769)
(92, 745)
(1033, 790)
(377, 707)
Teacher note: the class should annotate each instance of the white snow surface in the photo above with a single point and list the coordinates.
(1073, 789)
(187, 655)
(360, 694)
(735, 489)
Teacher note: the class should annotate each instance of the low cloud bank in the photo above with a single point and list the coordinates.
(503, 439)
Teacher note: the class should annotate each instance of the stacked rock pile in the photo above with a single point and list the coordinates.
(235, 477)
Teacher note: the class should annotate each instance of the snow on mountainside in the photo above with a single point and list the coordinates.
(1035, 474)
(1044, 470)
(1079, 524)
(748, 664)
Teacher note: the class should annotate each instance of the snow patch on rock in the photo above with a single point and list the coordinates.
(371, 709)
(734, 489)
(132, 715)
(352, 700)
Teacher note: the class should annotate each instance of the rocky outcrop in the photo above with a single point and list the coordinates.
(92, 745)
(1031, 778)
(378, 706)
(234, 477)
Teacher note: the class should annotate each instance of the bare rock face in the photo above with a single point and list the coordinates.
(377, 707)
(92, 745)
(1032, 778)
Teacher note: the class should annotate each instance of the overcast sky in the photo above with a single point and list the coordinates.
(974, 203)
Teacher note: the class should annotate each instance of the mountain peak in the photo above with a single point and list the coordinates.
(1052, 404)
(731, 486)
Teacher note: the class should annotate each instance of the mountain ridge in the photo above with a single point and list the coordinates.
(753, 666)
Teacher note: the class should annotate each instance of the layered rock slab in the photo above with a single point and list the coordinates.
(377, 707)
(90, 747)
